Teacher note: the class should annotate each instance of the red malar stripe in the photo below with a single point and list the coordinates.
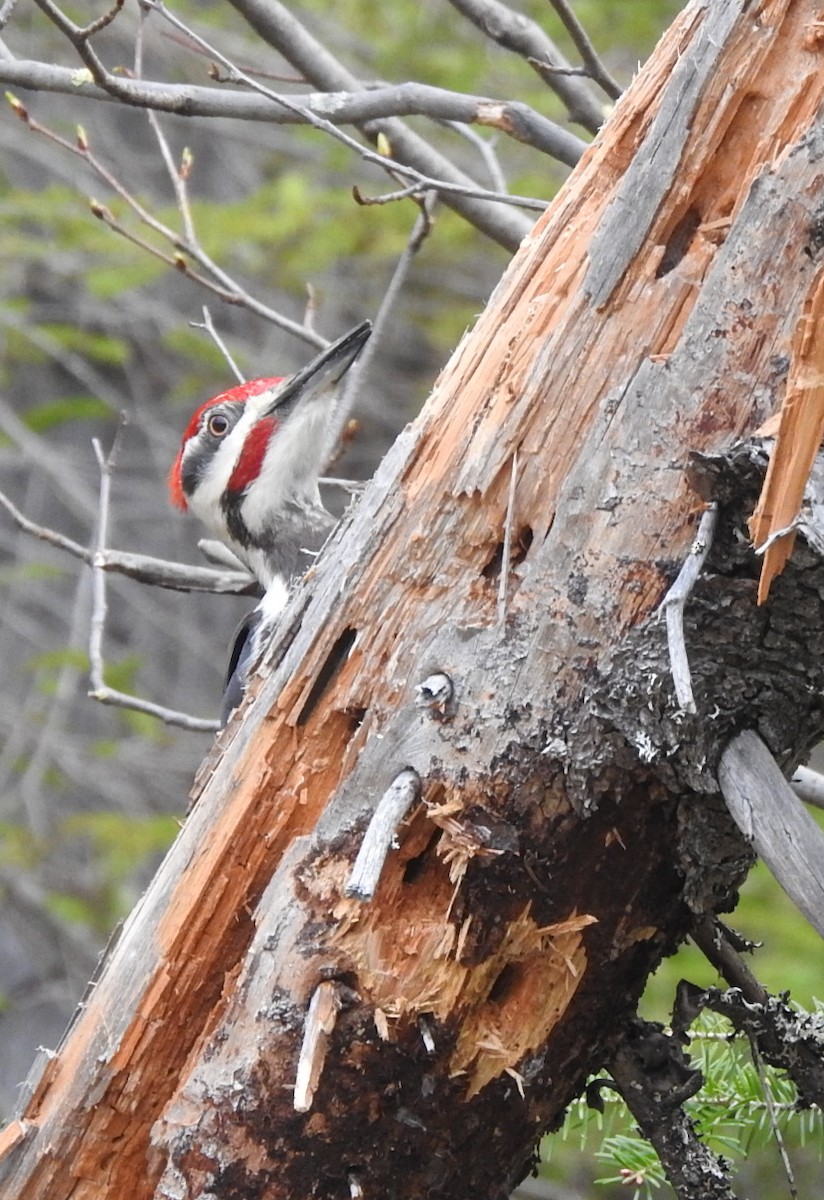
(250, 460)
(242, 393)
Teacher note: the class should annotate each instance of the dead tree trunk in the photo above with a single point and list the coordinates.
(565, 824)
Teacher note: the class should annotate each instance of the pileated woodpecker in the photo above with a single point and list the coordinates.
(248, 467)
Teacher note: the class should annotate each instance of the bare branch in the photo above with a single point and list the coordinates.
(320, 1023)
(517, 33)
(278, 26)
(392, 807)
(178, 577)
(340, 108)
(594, 67)
(220, 284)
(445, 185)
(208, 325)
(99, 689)
(775, 822)
(808, 786)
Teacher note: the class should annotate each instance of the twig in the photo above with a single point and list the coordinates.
(788, 1039)
(486, 148)
(392, 807)
(595, 68)
(220, 284)
(674, 602)
(177, 175)
(353, 486)
(776, 536)
(507, 547)
(99, 690)
(714, 942)
(320, 1022)
(208, 325)
(95, 26)
(769, 1100)
(420, 231)
(518, 34)
(654, 1078)
(426, 182)
(99, 606)
(158, 572)
(311, 308)
(415, 191)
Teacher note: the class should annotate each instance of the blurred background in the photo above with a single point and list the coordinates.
(93, 325)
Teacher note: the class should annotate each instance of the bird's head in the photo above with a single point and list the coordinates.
(248, 452)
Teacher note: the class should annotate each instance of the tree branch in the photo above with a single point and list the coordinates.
(594, 67)
(517, 120)
(517, 33)
(280, 29)
(99, 690)
(654, 1078)
(220, 284)
(178, 577)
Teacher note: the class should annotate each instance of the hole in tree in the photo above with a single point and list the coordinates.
(518, 550)
(335, 659)
(356, 717)
(504, 985)
(679, 242)
(415, 865)
(493, 566)
(521, 544)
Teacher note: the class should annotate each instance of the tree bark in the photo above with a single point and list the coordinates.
(518, 539)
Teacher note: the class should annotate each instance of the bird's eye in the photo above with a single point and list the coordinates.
(218, 425)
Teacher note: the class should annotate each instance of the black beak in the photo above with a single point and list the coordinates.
(319, 378)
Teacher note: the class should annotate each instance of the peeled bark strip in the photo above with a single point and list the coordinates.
(570, 824)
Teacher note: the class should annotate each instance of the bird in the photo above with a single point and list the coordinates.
(248, 468)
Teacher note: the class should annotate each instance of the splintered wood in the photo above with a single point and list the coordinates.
(800, 428)
(505, 1007)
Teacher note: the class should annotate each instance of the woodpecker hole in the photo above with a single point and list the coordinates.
(415, 866)
(335, 659)
(679, 242)
(356, 717)
(521, 541)
(504, 985)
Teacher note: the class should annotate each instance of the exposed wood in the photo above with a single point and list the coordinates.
(800, 429)
(571, 824)
(773, 819)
